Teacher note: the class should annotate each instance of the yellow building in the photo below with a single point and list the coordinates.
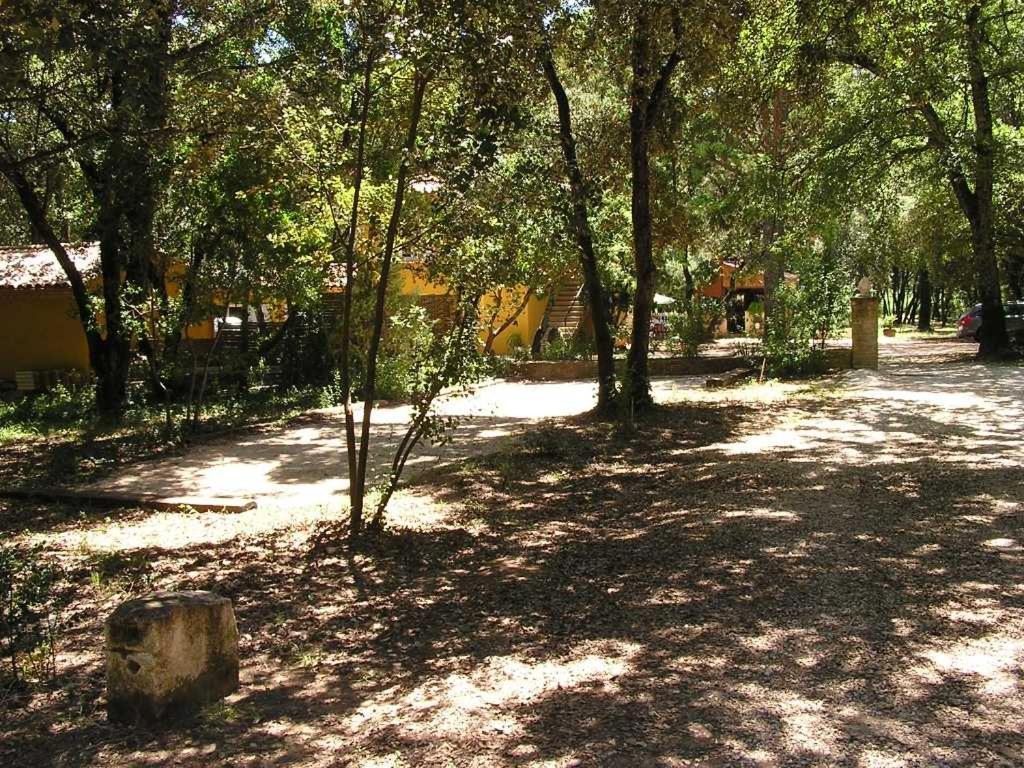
(39, 325)
(40, 329)
(509, 309)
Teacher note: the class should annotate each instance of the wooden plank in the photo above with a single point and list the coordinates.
(727, 379)
(145, 500)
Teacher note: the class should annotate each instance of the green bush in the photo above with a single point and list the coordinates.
(408, 339)
(755, 315)
(29, 610)
(695, 325)
(560, 348)
(515, 343)
(788, 343)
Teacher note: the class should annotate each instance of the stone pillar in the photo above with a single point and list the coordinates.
(169, 654)
(864, 325)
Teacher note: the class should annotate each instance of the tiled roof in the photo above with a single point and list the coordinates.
(35, 266)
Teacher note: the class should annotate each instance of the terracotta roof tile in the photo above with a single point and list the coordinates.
(35, 266)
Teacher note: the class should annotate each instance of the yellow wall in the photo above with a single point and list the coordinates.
(40, 331)
(414, 283)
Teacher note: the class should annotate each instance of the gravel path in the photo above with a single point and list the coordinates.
(303, 464)
(826, 578)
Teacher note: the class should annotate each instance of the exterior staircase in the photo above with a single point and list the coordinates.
(566, 310)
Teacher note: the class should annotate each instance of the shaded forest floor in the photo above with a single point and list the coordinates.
(770, 576)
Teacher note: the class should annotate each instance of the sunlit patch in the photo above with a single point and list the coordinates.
(179, 530)
(876, 758)
(995, 660)
(1002, 543)
(490, 434)
(805, 723)
(517, 568)
(981, 616)
(703, 661)
(478, 702)
(773, 639)
(762, 513)
(764, 443)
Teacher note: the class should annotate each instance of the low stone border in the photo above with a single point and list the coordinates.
(144, 500)
(572, 370)
(836, 359)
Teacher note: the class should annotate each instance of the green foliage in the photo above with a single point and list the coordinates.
(565, 348)
(60, 408)
(788, 342)
(695, 325)
(29, 610)
(405, 351)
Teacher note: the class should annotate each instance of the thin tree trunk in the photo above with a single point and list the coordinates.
(492, 332)
(357, 487)
(772, 229)
(580, 221)
(355, 504)
(645, 102)
(414, 433)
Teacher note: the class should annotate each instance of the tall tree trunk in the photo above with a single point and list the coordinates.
(992, 334)
(644, 105)
(644, 268)
(580, 221)
(357, 484)
(645, 272)
(638, 380)
(977, 203)
(775, 115)
(355, 503)
(924, 290)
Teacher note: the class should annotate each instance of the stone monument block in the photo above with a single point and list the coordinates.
(168, 654)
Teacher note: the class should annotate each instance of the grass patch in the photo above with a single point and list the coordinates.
(81, 446)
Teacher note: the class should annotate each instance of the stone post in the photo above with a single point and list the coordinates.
(864, 326)
(169, 654)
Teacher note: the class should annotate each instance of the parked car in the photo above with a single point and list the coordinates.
(970, 321)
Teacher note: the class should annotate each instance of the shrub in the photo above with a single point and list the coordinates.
(560, 348)
(788, 342)
(695, 325)
(29, 609)
(408, 339)
(755, 318)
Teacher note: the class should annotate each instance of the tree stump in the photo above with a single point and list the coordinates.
(168, 654)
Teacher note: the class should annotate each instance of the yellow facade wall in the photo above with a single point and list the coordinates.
(413, 282)
(40, 331)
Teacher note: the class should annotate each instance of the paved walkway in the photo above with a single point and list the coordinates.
(303, 464)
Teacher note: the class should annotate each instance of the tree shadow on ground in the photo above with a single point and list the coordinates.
(832, 582)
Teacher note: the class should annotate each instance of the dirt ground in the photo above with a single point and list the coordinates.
(779, 575)
(302, 466)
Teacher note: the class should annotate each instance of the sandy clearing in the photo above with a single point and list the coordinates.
(302, 465)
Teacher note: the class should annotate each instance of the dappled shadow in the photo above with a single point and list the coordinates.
(303, 463)
(833, 581)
